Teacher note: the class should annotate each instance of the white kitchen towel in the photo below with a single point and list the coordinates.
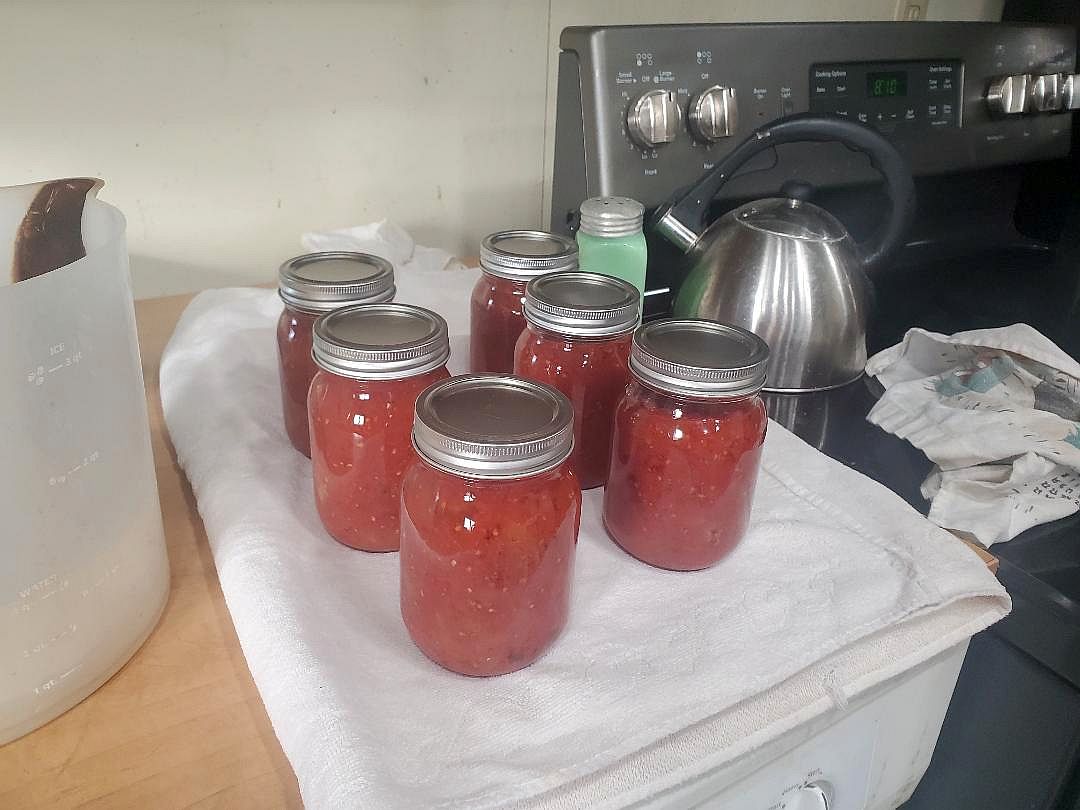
(996, 410)
(659, 676)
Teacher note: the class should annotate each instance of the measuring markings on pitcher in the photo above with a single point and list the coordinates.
(93, 457)
(69, 630)
(101, 580)
(36, 592)
(61, 356)
(52, 683)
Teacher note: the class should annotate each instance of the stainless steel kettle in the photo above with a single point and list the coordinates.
(785, 268)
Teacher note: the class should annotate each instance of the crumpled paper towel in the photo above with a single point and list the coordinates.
(660, 677)
(997, 411)
(385, 239)
(416, 267)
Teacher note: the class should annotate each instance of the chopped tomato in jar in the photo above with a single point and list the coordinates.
(682, 476)
(297, 370)
(578, 341)
(312, 285)
(593, 374)
(489, 523)
(687, 443)
(486, 566)
(496, 322)
(361, 449)
(374, 361)
(509, 260)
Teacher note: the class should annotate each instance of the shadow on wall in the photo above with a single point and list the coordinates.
(505, 199)
(472, 198)
(172, 278)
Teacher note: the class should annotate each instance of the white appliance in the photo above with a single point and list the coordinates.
(869, 754)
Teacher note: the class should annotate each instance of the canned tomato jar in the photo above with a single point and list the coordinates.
(374, 360)
(509, 260)
(687, 443)
(578, 338)
(312, 285)
(489, 523)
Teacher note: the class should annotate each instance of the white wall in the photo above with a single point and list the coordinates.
(224, 129)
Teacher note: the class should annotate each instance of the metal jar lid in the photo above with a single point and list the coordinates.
(523, 255)
(582, 304)
(380, 341)
(320, 282)
(611, 216)
(699, 358)
(493, 426)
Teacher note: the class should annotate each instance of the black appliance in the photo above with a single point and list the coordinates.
(983, 113)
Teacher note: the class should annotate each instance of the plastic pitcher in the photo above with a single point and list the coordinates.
(83, 570)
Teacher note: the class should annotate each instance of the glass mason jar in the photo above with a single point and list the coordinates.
(509, 260)
(374, 360)
(310, 286)
(611, 241)
(687, 444)
(489, 523)
(578, 341)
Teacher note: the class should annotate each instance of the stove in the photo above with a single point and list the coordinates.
(982, 112)
(628, 98)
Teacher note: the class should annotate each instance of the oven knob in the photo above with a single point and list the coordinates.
(1046, 93)
(1070, 92)
(1008, 95)
(653, 119)
(813, 796)
(713, 114)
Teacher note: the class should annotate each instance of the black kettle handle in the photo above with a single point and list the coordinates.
(683, 220)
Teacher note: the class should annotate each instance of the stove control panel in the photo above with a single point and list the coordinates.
(644, 110)
(653, 119)
(1023, 93)
(890, 95)
(1045, 93)
(1070, 91)
(713, 114)
(1008, 95)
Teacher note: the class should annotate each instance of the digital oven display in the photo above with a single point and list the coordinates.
(901, 96)
(892, 84)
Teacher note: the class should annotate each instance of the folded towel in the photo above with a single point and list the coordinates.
(996, 410)
(659, 676)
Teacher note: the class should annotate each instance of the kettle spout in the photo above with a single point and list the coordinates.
(673, 229)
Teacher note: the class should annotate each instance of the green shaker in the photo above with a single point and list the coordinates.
(610, 240)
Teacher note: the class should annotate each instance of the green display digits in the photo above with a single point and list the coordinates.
(886, 85)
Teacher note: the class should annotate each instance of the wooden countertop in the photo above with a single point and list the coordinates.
(181, 725)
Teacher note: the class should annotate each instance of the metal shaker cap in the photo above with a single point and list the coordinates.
(699, 358)
(493, 426)
(582, 304)
(611, 216)
(523, 255)
(320, 282)
(380, 341)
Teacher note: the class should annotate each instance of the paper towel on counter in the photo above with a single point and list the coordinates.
(659, 676)
(996, 410)
(385, 239)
